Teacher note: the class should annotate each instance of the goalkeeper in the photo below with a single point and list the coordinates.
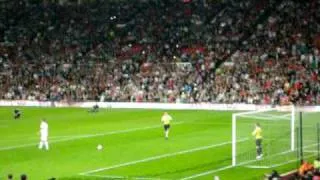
(257, 133)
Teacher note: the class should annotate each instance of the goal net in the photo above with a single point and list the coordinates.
(308, 135)
(279, 137)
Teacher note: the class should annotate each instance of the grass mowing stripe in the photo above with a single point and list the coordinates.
(86, 136)
(245, 163)
(32, 144)
(35, 138)
(207, 172)
(105, 176)
(121, 177)
(287, 162)
(160, 157)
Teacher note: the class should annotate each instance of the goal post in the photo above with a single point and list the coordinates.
(278, 127)
(308, 134)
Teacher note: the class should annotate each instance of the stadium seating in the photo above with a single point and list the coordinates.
(161, 51)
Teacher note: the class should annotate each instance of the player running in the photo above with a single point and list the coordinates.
(44, 131)
(165, 119)
(16, 114)
(257, 133)
(94, 109)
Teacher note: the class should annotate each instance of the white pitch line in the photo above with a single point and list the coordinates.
(208, 172)
(241, 164)
(214, 171)
(159, 157)
(32, 144)
(86, 136)
(277, 165)
(287, 162)
(106, 176)
(121, 177)
(258, 167)
(36, 138)
(146, 178)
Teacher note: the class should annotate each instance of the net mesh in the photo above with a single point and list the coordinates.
(276, 143)
(282, 143)
(309, 136)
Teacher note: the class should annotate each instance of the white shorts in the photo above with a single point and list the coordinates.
(44, 137)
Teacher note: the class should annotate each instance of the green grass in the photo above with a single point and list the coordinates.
(133, 142)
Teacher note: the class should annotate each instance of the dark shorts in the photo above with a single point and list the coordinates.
(17, 116)
(166, 126)
(258, 142)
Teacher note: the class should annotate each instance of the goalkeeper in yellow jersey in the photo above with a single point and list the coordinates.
(257, 133)
(165, 119)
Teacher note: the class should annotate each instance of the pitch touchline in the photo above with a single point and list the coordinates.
(86, 136)
(159, 157)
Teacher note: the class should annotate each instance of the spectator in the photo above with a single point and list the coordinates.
(308, 176)
(316, 163)
(164, 51)
(316, 175)
(304, 168)
(274, 175)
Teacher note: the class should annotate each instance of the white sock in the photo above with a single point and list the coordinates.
(167, 134)
(46, 144)
(40, 145)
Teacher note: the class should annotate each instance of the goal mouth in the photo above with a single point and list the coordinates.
(277, 144)
(285, 137)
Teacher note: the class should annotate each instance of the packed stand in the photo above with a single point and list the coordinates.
(279, 62)
(159, 51)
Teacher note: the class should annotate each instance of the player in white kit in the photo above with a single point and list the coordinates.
(44, 131)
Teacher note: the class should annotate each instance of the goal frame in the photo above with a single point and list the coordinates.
(234, 128)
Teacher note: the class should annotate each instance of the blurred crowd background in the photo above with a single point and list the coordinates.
(177, 51)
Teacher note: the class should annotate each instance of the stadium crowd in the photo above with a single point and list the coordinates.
(310, 171)
(306, 171)
(161, 51)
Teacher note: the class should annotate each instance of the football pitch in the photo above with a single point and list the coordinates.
(199, 145)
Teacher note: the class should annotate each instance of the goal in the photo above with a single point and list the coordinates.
(279, 137)
(308, 133)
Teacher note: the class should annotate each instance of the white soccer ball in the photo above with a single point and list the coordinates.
(99, 147)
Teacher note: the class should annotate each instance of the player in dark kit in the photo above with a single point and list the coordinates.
(95, 109)
(16, 114)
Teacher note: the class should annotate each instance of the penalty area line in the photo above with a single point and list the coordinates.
(86, 136)
(121, 177)
(245, 165)
(208, 172)
(159, 157)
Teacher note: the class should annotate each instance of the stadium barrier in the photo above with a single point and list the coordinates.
(26, 103)
(134, 105)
